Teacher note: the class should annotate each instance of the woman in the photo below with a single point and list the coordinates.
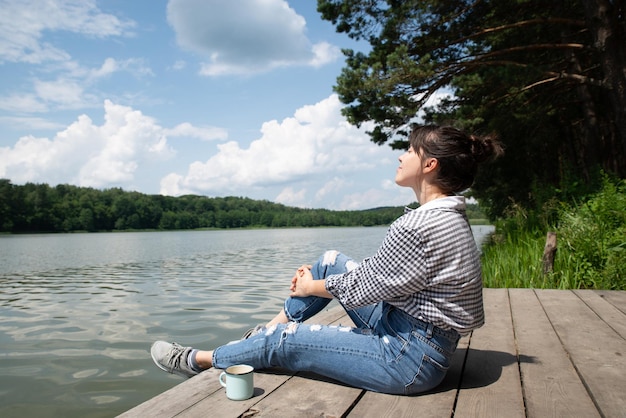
(410, 302)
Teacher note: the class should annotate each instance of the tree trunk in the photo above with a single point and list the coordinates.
(549, 252)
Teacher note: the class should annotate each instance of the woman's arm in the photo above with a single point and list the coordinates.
(396, 270)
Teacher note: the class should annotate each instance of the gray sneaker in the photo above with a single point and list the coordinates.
(172, 358)
(253, 331)
(249, 333)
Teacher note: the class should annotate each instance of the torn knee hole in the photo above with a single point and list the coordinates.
(330, 257)
(291, 328)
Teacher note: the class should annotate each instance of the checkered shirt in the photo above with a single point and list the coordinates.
(428, 265)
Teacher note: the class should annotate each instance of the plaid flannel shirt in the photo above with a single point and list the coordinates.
(428, 265)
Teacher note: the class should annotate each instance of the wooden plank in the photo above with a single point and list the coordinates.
(615, 298)
(306, 397)
(551, 385)
(612, 316)
(220, 406)
(491, 384)
(436, 403)
(595, 348)
(192, 397)
(173, 401)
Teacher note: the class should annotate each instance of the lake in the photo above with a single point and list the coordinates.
(78, 312)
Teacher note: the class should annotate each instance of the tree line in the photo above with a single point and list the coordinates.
(64, 208)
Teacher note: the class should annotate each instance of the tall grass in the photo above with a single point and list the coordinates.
(591, 245)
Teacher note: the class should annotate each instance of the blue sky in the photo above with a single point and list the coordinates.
(209, 97)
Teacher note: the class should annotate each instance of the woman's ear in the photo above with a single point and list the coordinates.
(430, 164)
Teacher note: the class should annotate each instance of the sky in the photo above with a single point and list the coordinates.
(208, 97)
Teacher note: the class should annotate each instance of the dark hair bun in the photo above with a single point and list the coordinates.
(485, 148)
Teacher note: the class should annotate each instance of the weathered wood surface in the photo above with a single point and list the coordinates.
(542, 353)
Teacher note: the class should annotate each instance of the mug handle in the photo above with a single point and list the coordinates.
(223, 374)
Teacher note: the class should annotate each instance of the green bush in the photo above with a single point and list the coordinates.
(592, 239)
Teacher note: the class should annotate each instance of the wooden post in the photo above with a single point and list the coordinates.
(548, 253)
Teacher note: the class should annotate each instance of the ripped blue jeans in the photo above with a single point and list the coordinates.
(387, 351)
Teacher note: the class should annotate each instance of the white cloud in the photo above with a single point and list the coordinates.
(208, 133)
(30, 123)
(86, 154)
(306, 157)
(31, 32)
(22, 103)
(172, 183)
(22, 24)
(72, 89)
(179, 65)
(134, 66)
(109, 66)
(63, 92)
(433, 101)
(324, 53)
(334, 185)
(290, 197)
(246, 36)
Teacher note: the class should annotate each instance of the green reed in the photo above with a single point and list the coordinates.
(591, 242)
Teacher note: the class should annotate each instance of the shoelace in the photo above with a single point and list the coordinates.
(175, 356)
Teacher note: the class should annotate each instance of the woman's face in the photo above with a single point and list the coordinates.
(407, 174)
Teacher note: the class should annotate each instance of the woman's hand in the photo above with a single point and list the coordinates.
(301, 282)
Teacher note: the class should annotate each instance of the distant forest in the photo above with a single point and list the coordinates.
(34, 208)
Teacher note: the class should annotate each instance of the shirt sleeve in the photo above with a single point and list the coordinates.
(397, 270)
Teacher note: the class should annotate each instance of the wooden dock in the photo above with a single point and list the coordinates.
(542, 353)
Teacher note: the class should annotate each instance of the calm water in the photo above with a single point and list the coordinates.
(78, 312)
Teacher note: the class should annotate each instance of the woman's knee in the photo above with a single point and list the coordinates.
(333, 262)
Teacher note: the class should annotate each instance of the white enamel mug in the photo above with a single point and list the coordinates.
(238, 381)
